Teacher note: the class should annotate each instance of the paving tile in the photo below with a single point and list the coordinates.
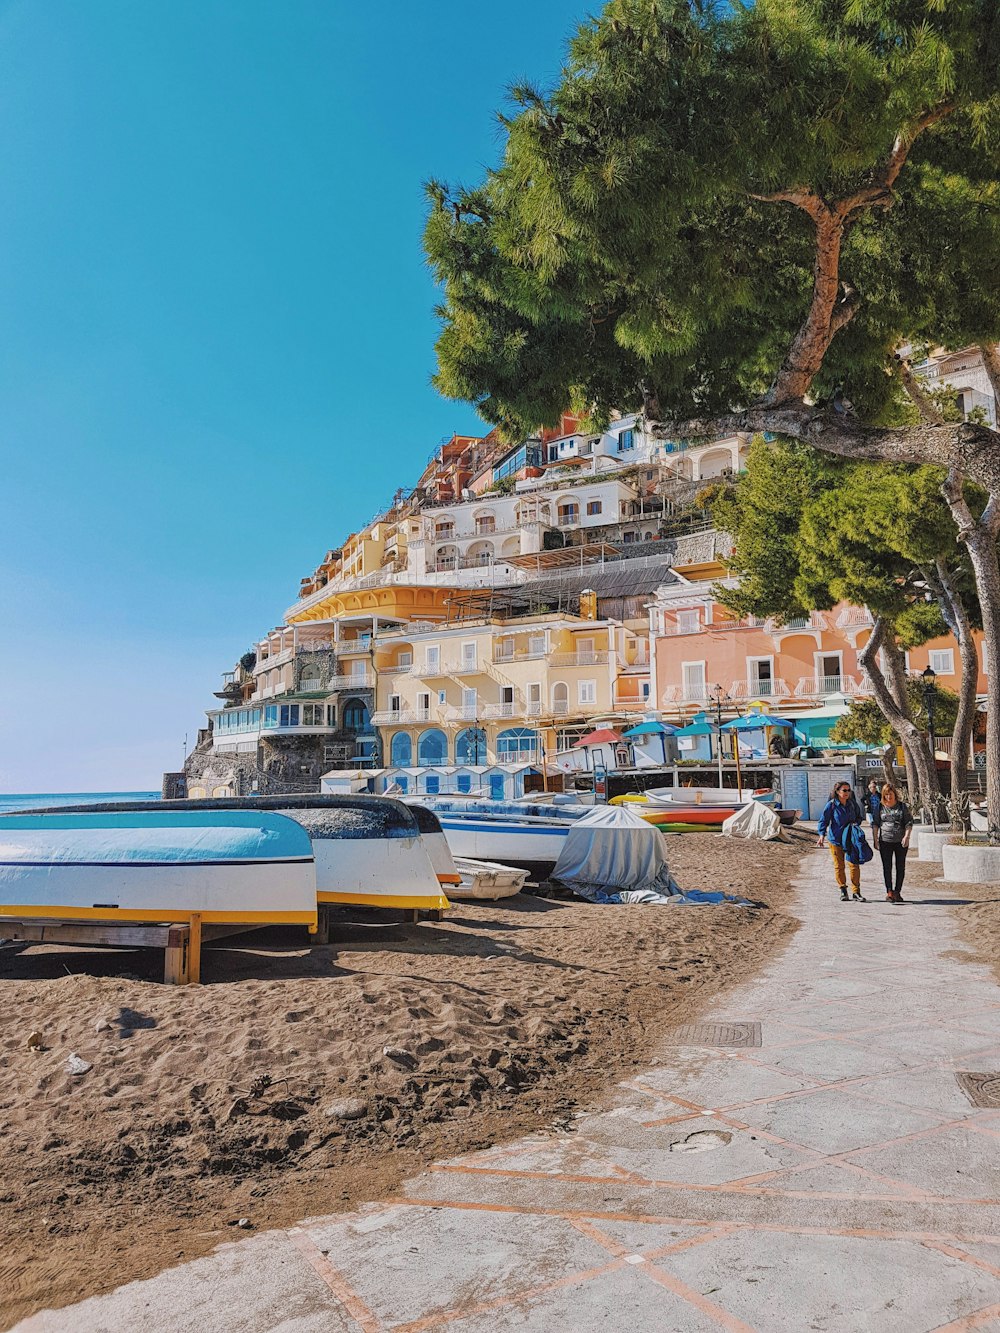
(832, 1061)
(952, 1163)
(406, 1263)
(714, 1085)
(933, 1090)
(261, 1285)
(834, 1122)
(788, 1283)
(627, 1298)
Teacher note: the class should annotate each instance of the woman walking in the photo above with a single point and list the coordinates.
(840, 813)
(870, 801)
(893, 824)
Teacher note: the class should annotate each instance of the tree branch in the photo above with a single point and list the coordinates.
(831, 220)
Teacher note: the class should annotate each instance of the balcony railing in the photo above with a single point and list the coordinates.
(687, 694)
(815, 620)
(358, 680)
(855, 617)
(759, 689)
(393, 716)
(519, 655)
(816, 687)
(492, 712)
(596, 658)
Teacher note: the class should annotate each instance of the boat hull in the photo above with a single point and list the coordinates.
(531, 847)
(236, 867)
(486, 881)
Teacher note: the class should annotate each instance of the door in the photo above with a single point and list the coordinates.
(534, 699)
(831, 681)
(432, 657)
(761, 677)
(496, 786)
(507, 700)
(585, 654)
(468, 655)
(694, 681)
(470, 702)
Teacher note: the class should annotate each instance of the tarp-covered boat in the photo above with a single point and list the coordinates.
(369, 850)
(227, 866)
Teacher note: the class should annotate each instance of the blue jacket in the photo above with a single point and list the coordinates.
(855, 845)
(838, 816)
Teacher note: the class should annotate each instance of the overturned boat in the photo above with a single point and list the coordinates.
(369, 851)
(485, 881)
(518, 834)
(236, 866)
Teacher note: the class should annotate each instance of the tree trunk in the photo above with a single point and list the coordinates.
(957, 620)
(897, 717)
(896, 663)
(981, 544)
(888, 764)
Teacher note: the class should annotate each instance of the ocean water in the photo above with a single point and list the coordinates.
(42, 800)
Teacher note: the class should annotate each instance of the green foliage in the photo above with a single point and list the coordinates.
(810, 531)
(249, 660)
(618, 243)
(863, 724)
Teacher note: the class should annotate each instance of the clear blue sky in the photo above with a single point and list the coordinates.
(216, 331)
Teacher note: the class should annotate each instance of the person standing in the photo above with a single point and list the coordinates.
(871, 800)
(839, 814)
(892, 824)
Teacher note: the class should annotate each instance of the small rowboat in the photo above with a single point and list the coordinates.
(485, 880)
(369, 851)
(251, 867)
(700, 816)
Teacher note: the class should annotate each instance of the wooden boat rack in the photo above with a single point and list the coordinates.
(180, 941)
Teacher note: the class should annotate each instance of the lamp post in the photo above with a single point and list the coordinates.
(929, 677)
(717, 694)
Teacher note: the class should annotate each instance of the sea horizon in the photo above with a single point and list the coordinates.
(14, 801)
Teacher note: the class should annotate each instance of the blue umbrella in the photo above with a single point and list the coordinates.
(754, 722)
(651, 729)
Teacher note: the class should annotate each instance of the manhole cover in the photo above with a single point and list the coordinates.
(716, 1034)
(981, 1089)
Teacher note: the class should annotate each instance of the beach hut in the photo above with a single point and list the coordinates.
(652, 743)
(754, 731)
(604, 748)
(695, 740)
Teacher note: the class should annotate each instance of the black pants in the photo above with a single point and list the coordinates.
(888, 850)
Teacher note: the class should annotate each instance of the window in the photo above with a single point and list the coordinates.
(402, 782)
(537, 645)
(469, 654)
(504, 650)
(626, 441)
(645, 691)
(760, 676)
(511, 464)
(271, 715)
(424, 704)
(516, 743)
(356, 716)
(288, 715)
(331, 715)
(404, 660)
(313, 715)
(534, 699)
(442, 696)
(693, 674)
(395, 704)
(587, 691)
(629, 536)
(942, 660)
(470, 702)
(560, 698)
(432, 747)
(432, 657)
(688, 622)
(594, 507)
(400, 750)
(432, 784)
(567, 514)
(465, 782)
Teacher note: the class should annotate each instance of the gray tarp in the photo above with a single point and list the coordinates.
(611, 849)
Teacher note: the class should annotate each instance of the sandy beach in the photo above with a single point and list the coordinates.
(301, 1080)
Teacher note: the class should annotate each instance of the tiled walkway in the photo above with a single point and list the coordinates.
(844, 1180)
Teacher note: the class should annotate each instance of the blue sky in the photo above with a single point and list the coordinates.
(216, 331)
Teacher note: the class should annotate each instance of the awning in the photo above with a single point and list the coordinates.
(602, 736)
(650, 729)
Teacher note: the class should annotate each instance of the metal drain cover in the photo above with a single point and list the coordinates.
(981, 1089)
(719, 1034)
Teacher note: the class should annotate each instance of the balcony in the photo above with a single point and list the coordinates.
(815, 620)
(854, 618)
(401, 716)
(466, 713)
(819, 687)
(759, 689)
(520, 655)
(356, 680)
(687, 694)
(352, 647)
(579, 659)
(496, 712)
(273, 660)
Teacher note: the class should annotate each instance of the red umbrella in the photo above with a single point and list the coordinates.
(602, 736)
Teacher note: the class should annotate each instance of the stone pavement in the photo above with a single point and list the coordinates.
(835, 1177)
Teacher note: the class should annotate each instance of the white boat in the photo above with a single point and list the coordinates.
(486, 880)
(251, 867)
(505, 833)
(369, 851)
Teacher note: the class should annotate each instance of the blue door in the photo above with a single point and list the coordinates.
(496, 787)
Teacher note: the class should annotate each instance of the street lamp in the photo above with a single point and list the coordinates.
(717, 694)
(929, 676)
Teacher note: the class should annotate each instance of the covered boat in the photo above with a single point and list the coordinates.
(369, 850)
(251, 867)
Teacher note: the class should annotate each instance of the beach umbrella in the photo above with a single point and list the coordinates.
(754, 722)
(698, 729)
(651, 729)
(602, 736)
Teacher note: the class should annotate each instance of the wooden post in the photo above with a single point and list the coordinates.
(176, 956)
(194, 950)
(321, 935)
(736, 756)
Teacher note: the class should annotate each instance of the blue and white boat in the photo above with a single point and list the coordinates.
(251, 867)
(370, 851)
(520, 834)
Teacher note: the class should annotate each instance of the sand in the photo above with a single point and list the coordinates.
(298, 1081)
(977, 907)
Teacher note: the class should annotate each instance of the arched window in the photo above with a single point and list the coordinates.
(447, 558)
(517, 744)
(401, 750)
(481, 553)
(470, 746)
(356, 716)
(560, 698)
(432, 747)
(310, 681)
